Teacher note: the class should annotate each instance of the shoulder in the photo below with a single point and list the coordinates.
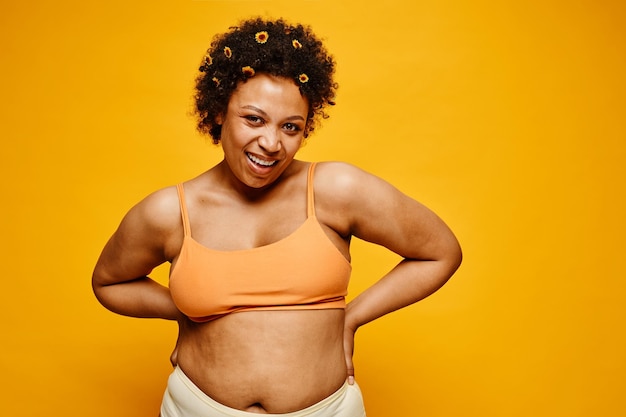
(336, 176)
(345, 193)
(158, 210)
(147, 236)
(154, 222)
(367, 206)
(347, 183)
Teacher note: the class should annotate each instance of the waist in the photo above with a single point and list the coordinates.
(182, 397)
(283, 360)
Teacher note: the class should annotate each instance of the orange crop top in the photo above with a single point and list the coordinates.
(304, 270)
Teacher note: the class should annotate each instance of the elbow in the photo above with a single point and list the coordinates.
(454, 254)
(450, 259)
(106, 295)
(100, 289)
(449, 264)
(456, 257)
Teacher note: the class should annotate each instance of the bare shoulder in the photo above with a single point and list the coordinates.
(154, 223)
(358, 203)
(340, 179)
(148, 235)
(344, 193)
(347, 185)
(159, 210)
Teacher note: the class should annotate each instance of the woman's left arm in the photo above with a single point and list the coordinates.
(377, 212)
(430, 251)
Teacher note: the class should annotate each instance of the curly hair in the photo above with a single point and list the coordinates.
(259, 46)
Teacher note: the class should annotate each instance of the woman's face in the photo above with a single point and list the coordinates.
(263, 129)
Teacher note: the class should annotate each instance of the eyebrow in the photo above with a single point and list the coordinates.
(258, 110)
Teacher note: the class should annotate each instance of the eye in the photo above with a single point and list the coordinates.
(291, 127)
(253, 119)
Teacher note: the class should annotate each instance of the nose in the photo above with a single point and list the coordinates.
(270, 140)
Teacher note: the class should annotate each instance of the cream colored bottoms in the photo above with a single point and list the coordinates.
(184, 399)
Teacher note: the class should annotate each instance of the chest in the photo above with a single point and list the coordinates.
(225, 225)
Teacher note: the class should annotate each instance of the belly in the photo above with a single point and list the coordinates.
(266, 361)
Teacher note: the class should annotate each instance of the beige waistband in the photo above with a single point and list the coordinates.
(183, 398)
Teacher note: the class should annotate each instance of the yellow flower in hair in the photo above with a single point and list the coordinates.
(228, 52)
(303, 78)
(296, 44)
(248, 71)
(261, 37)
(216, 81)
(208, 60)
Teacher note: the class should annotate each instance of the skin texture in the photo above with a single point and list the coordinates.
(273, 361)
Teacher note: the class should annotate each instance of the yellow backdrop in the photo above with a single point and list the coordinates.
(506, 118)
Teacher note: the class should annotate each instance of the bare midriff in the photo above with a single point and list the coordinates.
(268, 362)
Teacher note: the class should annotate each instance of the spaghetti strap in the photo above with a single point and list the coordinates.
(310, 197)
(183, 209)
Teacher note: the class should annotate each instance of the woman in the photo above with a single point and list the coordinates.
(259, 243)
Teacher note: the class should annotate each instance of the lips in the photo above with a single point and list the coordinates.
(261, 162)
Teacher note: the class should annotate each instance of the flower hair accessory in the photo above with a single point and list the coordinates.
(228, 52)
(206, 62)
(248, 71)
(261, 37)
(303, 78)
(296, 44)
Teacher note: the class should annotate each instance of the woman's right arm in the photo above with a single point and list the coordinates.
(145, 239)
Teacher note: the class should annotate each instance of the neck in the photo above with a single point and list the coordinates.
(231, 184)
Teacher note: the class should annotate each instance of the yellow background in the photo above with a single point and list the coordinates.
(506, 118)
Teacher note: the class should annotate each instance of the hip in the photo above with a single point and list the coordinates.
(183, 398)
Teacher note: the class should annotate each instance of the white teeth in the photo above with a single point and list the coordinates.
(261, 161)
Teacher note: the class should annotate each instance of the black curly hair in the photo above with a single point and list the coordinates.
(260, 46)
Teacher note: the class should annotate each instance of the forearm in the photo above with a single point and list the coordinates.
(142, 297)
(409, 282)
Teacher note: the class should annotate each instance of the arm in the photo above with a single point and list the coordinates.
(120, 279)
(373, 210)
(431, 254)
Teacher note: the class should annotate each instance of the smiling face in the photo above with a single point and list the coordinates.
(263, 129)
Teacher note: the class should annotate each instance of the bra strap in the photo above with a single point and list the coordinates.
(310, 198)
(183, 209)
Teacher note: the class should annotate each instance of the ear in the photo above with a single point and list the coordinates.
(219, 119)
